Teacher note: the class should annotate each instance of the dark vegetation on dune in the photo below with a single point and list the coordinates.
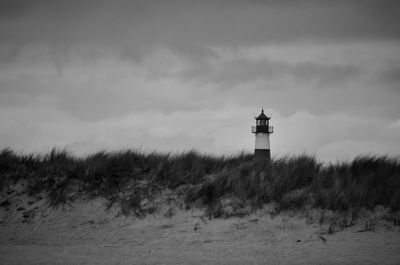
(128, 177)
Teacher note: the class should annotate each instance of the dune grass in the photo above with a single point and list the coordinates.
(127, 177)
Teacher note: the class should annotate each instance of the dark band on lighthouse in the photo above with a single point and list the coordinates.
(262, 131)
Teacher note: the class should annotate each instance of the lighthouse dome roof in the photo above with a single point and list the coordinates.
(262, 116)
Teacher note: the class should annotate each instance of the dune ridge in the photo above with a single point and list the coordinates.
(130, 207)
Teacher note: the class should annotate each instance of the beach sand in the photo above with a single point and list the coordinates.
(87, 233)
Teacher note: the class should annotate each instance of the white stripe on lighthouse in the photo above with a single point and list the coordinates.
(262, 141)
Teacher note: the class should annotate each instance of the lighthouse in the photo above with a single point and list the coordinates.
(262, 130)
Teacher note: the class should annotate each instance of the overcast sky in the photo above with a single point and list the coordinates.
(178, 75)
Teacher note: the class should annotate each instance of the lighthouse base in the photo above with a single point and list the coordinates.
(262, 154)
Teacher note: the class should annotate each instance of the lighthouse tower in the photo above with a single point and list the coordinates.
(262, 131)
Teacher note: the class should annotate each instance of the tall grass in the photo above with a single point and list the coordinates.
(126, 177)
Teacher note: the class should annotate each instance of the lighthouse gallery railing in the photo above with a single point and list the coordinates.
(262, 129)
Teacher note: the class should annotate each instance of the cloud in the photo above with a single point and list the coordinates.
(134, 27)
(222, 130)
(206, 130)
(239, 71)
(389, 76)
(334, 136)
(91, 75)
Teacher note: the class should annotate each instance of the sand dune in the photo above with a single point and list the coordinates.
(87, 233)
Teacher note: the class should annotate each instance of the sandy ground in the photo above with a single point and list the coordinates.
(86, 233)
